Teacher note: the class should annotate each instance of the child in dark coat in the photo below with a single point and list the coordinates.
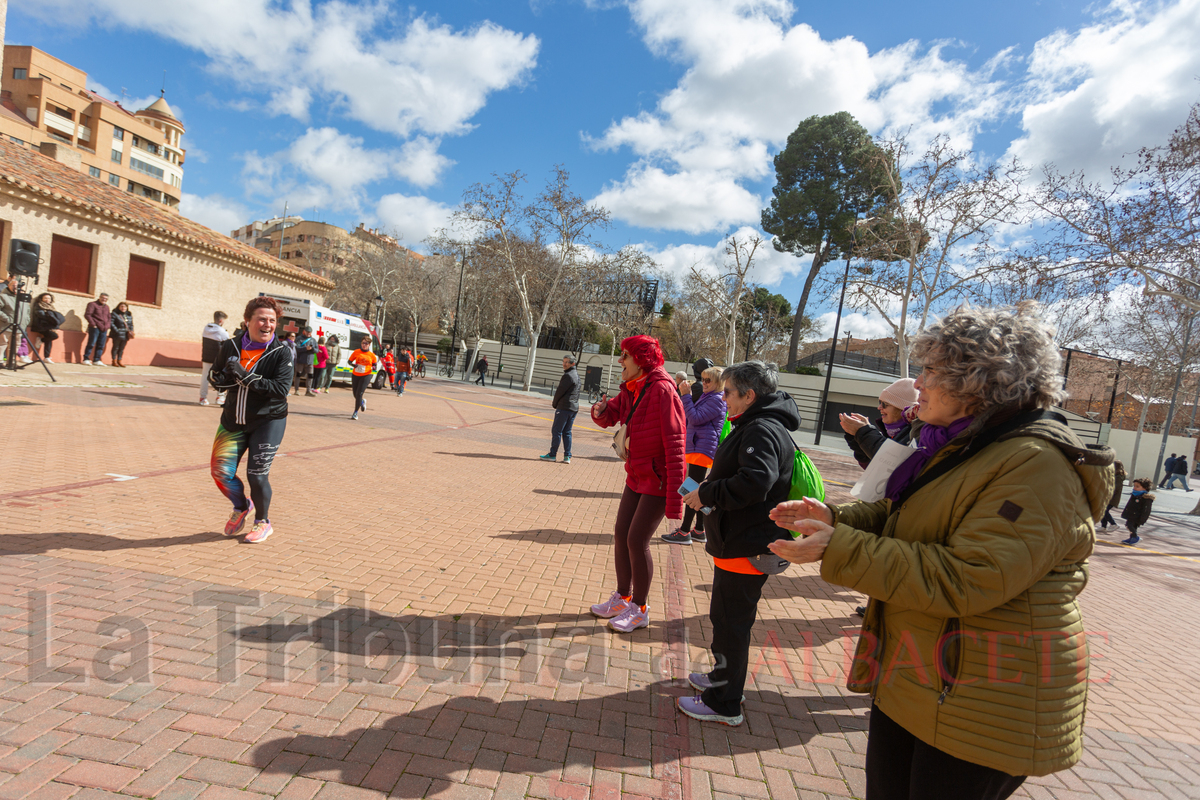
(1137, 510)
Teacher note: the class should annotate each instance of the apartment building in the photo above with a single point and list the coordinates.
(45, 100)
(318, 247)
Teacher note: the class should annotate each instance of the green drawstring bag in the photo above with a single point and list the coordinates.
(806, 479)
(725, 429)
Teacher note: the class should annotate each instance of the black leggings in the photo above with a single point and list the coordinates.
(637, 519)
(902, 767)
(48, 338)
(118, 347)
(229, 447)
(696, 472)
(359, 384)
(732, 609)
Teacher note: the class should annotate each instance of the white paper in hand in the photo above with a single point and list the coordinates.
(873, 484)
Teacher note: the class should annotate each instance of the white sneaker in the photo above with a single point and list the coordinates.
(204, 402)
(99, 364)
(49, 360)
(86, 363)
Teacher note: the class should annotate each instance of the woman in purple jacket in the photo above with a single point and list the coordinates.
(705, 417)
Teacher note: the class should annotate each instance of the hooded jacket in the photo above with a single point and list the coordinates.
(566, 396)
(751, 474)
(263, 395)
(973, 640)
(210, 342)
(698, 367)
(705, 418)
(656, 433)
(1137, 510)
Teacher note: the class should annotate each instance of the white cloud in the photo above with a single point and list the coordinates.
(130, 104)
(690, 201)
(413, 218)
(1112, 87)
(770, 266)
(391, 74)
(328, 168)
(863, 326)
(214, 211)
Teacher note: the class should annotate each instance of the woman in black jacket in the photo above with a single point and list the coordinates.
(120, 332)
(866, 437)
(255, 369)
(45, 323)
(751, 473)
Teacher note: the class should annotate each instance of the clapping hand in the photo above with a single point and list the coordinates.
(852, 422)
(813, 520)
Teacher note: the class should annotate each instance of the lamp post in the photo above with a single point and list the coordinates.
(457, 307)
(836, 324)
(849, 335)
(378, 314)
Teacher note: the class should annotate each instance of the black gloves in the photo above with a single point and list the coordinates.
(235, 369)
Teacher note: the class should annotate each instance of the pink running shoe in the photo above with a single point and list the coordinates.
(259, 533)
(631, 620)
(237, 520)
(614, 607)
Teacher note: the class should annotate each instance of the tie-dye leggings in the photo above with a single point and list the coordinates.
(228, 449)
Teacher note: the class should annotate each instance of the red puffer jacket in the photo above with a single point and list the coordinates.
(656, 438)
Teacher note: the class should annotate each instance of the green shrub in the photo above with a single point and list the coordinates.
(807, 371)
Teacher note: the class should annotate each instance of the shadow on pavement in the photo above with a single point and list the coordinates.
(35, 543)
(638, 730)
(138, 398)
(555, 536)
(579, 493)
(483, 455)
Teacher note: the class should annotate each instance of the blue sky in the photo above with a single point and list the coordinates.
(666, 111)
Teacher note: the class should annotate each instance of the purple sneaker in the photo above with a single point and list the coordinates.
(615, 606)
(694, 707)
(631, 620)
(700, 681)
(237, 520)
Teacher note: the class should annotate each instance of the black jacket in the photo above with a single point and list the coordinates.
(121, 325)
(751, 474)
(1137, 510)
(867, 440)
(263, 396)
(566, 396)
(1181, 467)
(698, 367)
(45, 319)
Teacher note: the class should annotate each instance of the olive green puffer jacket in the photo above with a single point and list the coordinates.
(973, 639)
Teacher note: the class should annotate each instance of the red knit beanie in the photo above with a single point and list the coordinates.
(645, 351)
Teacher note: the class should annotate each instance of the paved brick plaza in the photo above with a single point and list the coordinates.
(417, 625)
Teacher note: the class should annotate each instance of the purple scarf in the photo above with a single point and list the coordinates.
(250, 344)
(932, 438)
(894, 428)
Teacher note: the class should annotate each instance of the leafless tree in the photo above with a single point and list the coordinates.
(722, 293)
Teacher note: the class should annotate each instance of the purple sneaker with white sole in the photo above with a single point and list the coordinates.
(614, 606)
(694, 707)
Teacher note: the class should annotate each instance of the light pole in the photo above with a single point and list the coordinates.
(849, 336)
(836, 324)
(378, 312)
(457, 307)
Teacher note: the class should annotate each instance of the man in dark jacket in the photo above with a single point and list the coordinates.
(1179, 472)
(210, 345)
(1168, 470)
(566, 406)
(698, 367)
(751, 473)
(99, 319)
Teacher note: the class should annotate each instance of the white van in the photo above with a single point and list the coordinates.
(349, 328)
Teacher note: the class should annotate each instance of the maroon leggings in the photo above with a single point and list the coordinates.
(637, 518)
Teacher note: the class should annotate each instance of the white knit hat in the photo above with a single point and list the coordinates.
(900, 394)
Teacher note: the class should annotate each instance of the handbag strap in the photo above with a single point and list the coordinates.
(641, 394)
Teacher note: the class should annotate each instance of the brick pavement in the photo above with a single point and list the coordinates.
(415, 629)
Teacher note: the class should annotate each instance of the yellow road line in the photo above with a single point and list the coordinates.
(1148, 550)
(506, 410)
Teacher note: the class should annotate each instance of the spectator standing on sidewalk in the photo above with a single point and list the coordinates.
(306, 355)
(335, 359)
(705, 418)
(566, 405)
(322, 364)
(1179, 472)
(210, 346)
(1115, 501)
(1137, 510)
(45, 323)
(388, 362)
(866, 437)
(121, 332)
(649, 408)
(8, 310)
(99, 320)
(404, 369)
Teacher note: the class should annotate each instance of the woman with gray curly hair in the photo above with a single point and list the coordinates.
(972, 647)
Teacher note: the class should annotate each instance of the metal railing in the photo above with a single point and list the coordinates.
(887, 366)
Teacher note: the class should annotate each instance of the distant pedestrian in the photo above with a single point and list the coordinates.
(335, 359)
(45, 323)
(481, 366)
(1179, 472)
(651, 441)
(363, 362)
(306, 355)
(1168, 470)
(256, 369)
(99, 320)
(210, 345)
(1115, 500)
(388, 363)
(404, 370)
(1137, 510)
(121, 331)
(566, 405)
(705, 418)
(698, 367)
(322, 364)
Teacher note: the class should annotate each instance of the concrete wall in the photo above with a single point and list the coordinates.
(194, 284)
(1122, 442)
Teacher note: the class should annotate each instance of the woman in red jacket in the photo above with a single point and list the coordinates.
(648, 404)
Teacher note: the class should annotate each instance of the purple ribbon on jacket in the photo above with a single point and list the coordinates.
(250, 344)
(932, 438)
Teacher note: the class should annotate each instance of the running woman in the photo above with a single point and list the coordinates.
(255, 371)
(363, 363)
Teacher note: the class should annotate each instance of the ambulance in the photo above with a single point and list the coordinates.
(349, 328)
